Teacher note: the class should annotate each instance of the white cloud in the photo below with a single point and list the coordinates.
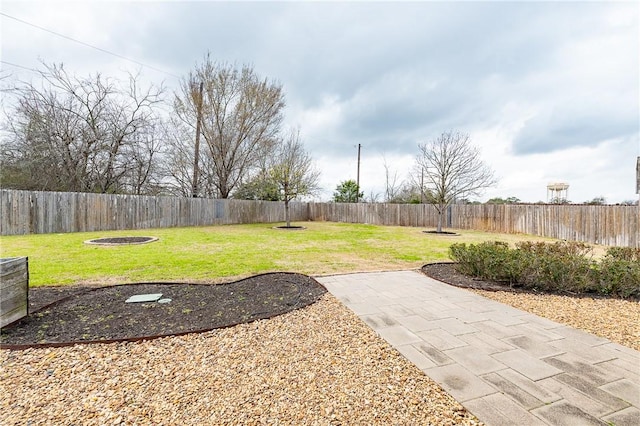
(547, 89)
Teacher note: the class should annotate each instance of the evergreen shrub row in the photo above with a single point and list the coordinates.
(561, 266)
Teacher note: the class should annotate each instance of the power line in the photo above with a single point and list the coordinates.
(87, 45)
(19, 66)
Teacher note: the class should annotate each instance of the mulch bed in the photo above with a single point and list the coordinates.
(446, 272)
(64, 314)
(67, 314)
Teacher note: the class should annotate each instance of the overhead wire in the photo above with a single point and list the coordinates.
(84, 44)
(18, 66)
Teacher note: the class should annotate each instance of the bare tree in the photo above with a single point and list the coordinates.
(145, 174)
(259, 185)
(72, 133)
(373, 197)
(178, 161)
(241, 117)
(408, 193)
(293, 171)
(400, 191)
(452, 169)
(392, 183)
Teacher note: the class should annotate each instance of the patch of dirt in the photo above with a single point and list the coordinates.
(83, 313)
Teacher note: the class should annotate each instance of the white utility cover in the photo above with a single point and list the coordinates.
(153, 297)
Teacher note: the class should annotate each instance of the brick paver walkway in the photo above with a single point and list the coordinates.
(506, 366)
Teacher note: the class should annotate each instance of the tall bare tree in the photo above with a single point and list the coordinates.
(293, 171)
(393, 184)
(452, 169)
(72, 133)
(241, 117)
(398, 191)
(178, 162)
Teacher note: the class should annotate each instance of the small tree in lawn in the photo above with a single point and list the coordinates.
(452, 169)
(293, 171)
(347, 192)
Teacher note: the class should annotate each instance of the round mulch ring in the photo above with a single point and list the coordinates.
(118, 241)
(443, 233)
(290, 228)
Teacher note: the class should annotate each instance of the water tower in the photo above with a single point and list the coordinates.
(557, 192)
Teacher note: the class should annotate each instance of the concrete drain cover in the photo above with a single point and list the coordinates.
(152, 297)
(164, 300)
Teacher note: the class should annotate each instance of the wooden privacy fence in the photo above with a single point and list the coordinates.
(27, 212)
(24, 212)
(607, 225)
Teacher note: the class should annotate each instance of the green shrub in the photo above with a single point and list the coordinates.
(619, 272)
(630, 254)
(491, 260)
(559, 266)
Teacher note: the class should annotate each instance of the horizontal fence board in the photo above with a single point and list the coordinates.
(26, 212)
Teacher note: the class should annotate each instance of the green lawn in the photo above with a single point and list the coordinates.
(221, 253)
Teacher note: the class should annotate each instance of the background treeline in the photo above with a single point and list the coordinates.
(64, 132)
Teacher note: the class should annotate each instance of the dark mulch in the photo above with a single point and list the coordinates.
(443, 233)
(122, 240)
(447, 273)
(83, 314)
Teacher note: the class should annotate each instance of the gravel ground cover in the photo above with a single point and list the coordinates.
(615, 319)
(317, 365)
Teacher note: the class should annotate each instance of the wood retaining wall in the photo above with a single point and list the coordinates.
(14, 289)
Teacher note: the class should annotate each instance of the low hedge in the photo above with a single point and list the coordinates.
(560, 266)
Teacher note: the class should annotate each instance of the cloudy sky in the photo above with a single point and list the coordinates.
(549, 91)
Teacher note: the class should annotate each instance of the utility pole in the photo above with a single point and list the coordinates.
(196, 156)
(358, 176)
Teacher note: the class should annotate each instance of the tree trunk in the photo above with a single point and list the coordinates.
(440, 213)
(286, 213)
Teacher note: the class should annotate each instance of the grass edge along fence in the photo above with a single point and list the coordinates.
(36, 212)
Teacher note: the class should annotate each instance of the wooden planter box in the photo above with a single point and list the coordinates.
(14, 289)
